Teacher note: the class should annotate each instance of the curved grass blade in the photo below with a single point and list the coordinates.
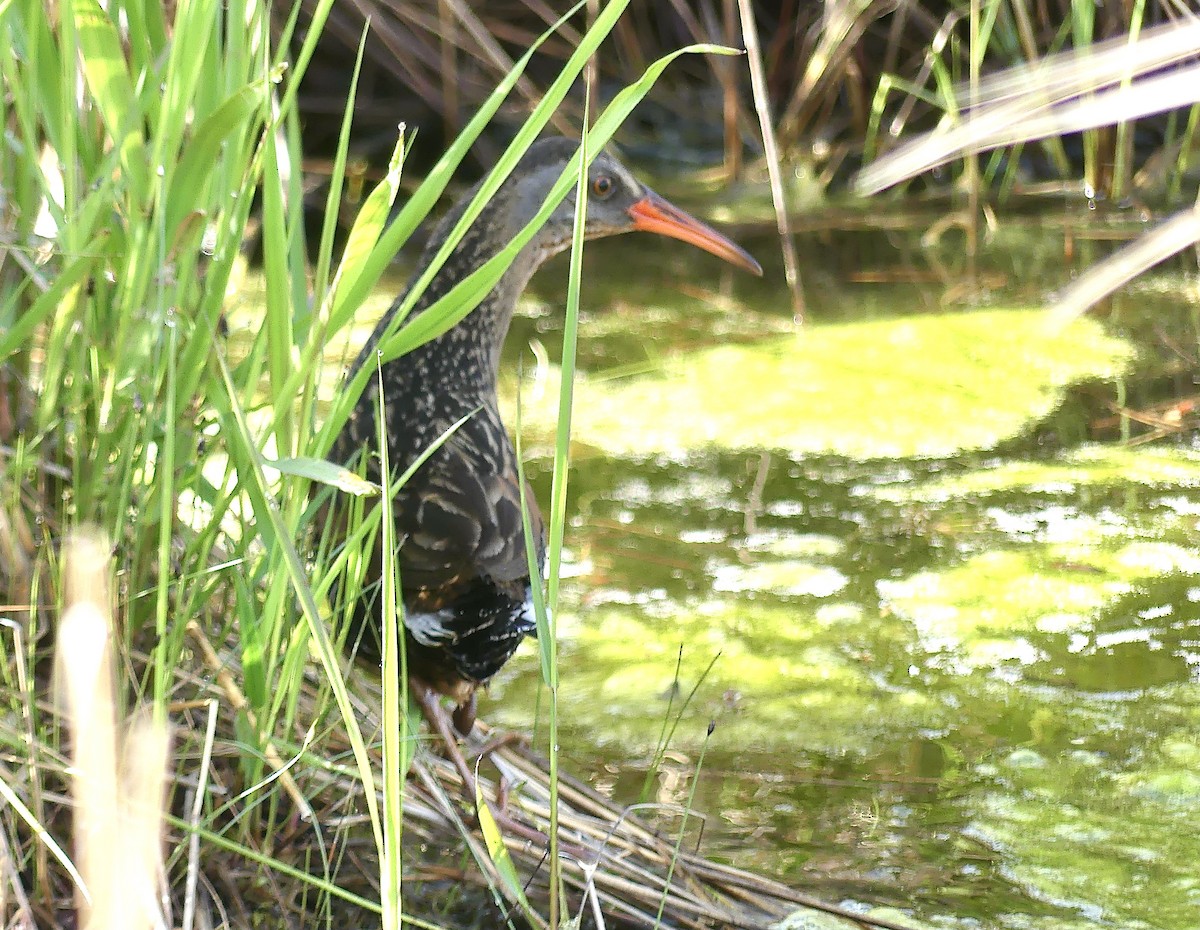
(269, 525)
(324, 471)
(204, 147)
(368, 227)
(498, 853)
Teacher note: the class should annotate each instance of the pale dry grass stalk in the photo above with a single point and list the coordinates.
(1107, 83)
(762, 106)
(118, 779)
(1068, 92)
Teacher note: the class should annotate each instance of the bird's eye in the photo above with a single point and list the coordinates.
(602, 186)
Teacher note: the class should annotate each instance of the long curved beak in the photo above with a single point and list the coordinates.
(657, 215)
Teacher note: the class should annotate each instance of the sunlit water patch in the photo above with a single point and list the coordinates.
(927, 386)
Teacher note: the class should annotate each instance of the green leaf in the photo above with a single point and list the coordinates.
(498, 853)
(14, 337)
(395, 687)
(254, 681)
(368, 226)
(185, 73)
(108, 78)
(325, 472)
(204, 148)
(276, 537)
(337, 177)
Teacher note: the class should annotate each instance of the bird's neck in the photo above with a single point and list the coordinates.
(469, 352)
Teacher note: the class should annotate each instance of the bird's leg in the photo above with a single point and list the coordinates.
(464, 715)
(431, 707)
(435, 715)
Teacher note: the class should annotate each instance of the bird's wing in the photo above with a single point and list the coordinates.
(459, 518)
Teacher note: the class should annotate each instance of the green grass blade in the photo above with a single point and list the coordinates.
(250, 854)
(670, 725)
(324, 471)
(9, 796)
(365, 233)
(688, 808)
(112, 88)
(545, 646)
(395, 686)
(204, 146)
(164, 477)
(70, 277)
(566, 391)
(498, 853)
(280, 316)
(318, 14)
(185, 70)
(337, 177)
(558, 495)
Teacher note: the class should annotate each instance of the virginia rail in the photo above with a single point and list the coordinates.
(463, 565)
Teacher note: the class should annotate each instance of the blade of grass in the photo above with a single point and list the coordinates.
(688, 808)
(547, 625)
(395, 688)
(668, 733)
(112, 88)
(1123, 146)
(185, 69)
(165, 474)
(368, 226)
(324, 471)
(280, 309)
(37, 830)
(762, 107)
(500, 857)
(196, 164)
(337, 177)
(250, 854)
(53, 299)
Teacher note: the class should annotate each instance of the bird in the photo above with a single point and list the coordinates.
(465, 580)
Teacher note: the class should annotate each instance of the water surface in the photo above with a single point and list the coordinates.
(946, 624)
(943, 624)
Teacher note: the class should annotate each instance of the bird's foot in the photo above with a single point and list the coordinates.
(497, 741)
(439, 721)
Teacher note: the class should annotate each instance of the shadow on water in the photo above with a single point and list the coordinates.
(949, 640)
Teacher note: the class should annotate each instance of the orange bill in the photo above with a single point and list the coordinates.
(654, 214)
